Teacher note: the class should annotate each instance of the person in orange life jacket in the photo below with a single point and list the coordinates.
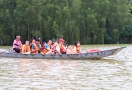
(56, 48)
(26, 48)
(77, 47)
(70, 50)
(17, 44)
(37, 41)
(43, 50)
(33, 46)
(48, 46)
(61, 45)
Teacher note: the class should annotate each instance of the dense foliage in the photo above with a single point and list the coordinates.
(89, 21)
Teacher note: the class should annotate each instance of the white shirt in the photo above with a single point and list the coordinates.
(58, 48)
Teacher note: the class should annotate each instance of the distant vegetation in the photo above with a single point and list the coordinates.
(89, 21)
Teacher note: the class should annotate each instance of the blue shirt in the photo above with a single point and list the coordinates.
(46, 46)
(32, 46)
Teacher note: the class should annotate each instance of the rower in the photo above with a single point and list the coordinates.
(17, 44)
(61, 45)
(77, 47)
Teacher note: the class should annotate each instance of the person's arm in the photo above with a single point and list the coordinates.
(58, 49)
(74, 49)
(80, 50)
(22, 49)
(20, 44)
(16, 44)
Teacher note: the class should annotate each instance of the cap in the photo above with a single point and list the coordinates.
(61, 40)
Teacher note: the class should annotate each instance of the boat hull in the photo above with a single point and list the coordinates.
(83, 56)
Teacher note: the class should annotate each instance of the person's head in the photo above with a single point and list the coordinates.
(77, 44)
(33, 41)
(27, 42)
(55, 44)
(18, 38)
(43, 44)
(50, 42)
(61, 41)
(37, 41)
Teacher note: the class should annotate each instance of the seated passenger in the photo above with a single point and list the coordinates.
(33, 46)
(17, 44)
(43, 50)
(48, 46)
(43, 45)
(56, 48)
(70, 50)
(62, 47)
(77, 47)
(37, 41)
(26, 48)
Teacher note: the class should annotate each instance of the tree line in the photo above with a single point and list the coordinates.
(87, 21)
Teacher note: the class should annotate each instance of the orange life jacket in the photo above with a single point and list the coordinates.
(78, 49)
(35, 49)
(43, 50)
(61, 47)
(26, 48)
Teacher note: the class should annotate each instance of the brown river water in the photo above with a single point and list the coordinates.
(109, 73)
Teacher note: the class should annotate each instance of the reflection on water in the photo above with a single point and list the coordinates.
(111, 73)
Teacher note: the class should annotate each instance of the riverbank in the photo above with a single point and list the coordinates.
(5, 47)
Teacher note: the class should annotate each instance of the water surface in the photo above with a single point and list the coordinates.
(110, 73)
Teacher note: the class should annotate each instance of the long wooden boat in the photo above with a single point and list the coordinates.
(82, 56)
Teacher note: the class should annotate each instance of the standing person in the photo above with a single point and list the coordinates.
(77, 47)
(33, 46)
(62, 46)
(17, 44)
(26, 48)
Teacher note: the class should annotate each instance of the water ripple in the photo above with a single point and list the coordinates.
(111, 73)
